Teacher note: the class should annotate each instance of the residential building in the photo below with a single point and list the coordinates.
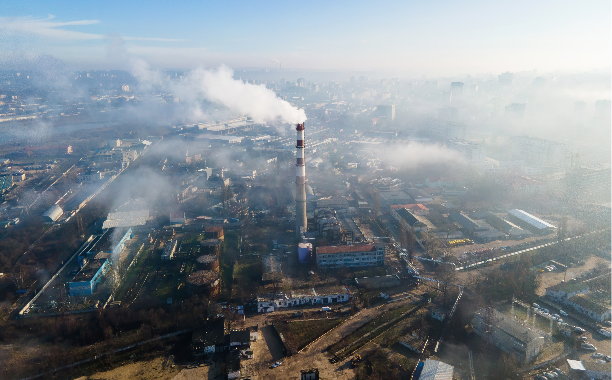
(386, 111)
(540, 152)
(359, 255)
(471, 152)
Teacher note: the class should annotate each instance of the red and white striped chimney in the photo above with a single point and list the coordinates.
(300, 183)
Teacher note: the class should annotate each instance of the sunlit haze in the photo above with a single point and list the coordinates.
(407, 37)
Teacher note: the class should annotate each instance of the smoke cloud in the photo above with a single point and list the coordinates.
(416, 154)
(201, 88)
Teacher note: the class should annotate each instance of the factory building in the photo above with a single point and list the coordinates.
(169, 250)
(267, 303)
(52, 214)
(508, 334)
(416, 222)
(533, 223)
(84, 283)
(360, 255)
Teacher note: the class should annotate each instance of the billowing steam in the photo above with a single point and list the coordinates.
(200, 87)
(416, 154)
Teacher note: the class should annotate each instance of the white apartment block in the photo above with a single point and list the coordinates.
(473, 153)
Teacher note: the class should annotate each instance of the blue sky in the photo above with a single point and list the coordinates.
(428, 37)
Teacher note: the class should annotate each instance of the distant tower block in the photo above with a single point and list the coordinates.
(300, 183)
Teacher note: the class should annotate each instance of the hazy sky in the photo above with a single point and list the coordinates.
(418, 37)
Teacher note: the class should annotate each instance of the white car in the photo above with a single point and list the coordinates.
(588, 347)
(563, 313)
(605, 333)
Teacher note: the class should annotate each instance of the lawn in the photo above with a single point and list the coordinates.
(299, 334)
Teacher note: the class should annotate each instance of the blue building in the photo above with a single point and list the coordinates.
(84, 283)
(96, 260)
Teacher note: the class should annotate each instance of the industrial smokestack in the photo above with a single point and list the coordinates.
(300, 183)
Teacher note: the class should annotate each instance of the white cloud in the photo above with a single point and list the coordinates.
(48, 28)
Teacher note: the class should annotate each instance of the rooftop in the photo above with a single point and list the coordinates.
(348, 248)
(436, 370)
(592, 301)
(512, 327)
(89, 270)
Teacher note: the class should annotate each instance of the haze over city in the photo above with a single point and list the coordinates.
(316, 190)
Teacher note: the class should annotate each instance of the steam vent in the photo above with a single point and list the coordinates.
(300, 183)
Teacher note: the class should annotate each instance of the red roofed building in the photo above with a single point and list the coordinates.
(360, 255)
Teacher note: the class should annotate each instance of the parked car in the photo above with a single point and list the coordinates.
(588, 347)
(579, 330)
(605, 333)
(597, 355)
(563, 313)
(559, 372)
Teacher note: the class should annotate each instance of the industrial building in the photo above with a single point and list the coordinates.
(359, 255)
(126, 219)
(103, 248)
(508, 334)
(436, 370)
(389, 198)
(267, 303)
(52, 214)
(533, 223)
(169, 250)
(416, 222)
(84, 283)
(112, 241)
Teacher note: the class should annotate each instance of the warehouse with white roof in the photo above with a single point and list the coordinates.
(533, 223)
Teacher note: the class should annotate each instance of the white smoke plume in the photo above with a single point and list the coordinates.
(200, 87)
(416, 154)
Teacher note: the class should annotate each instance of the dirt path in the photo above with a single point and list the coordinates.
(315, 356)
